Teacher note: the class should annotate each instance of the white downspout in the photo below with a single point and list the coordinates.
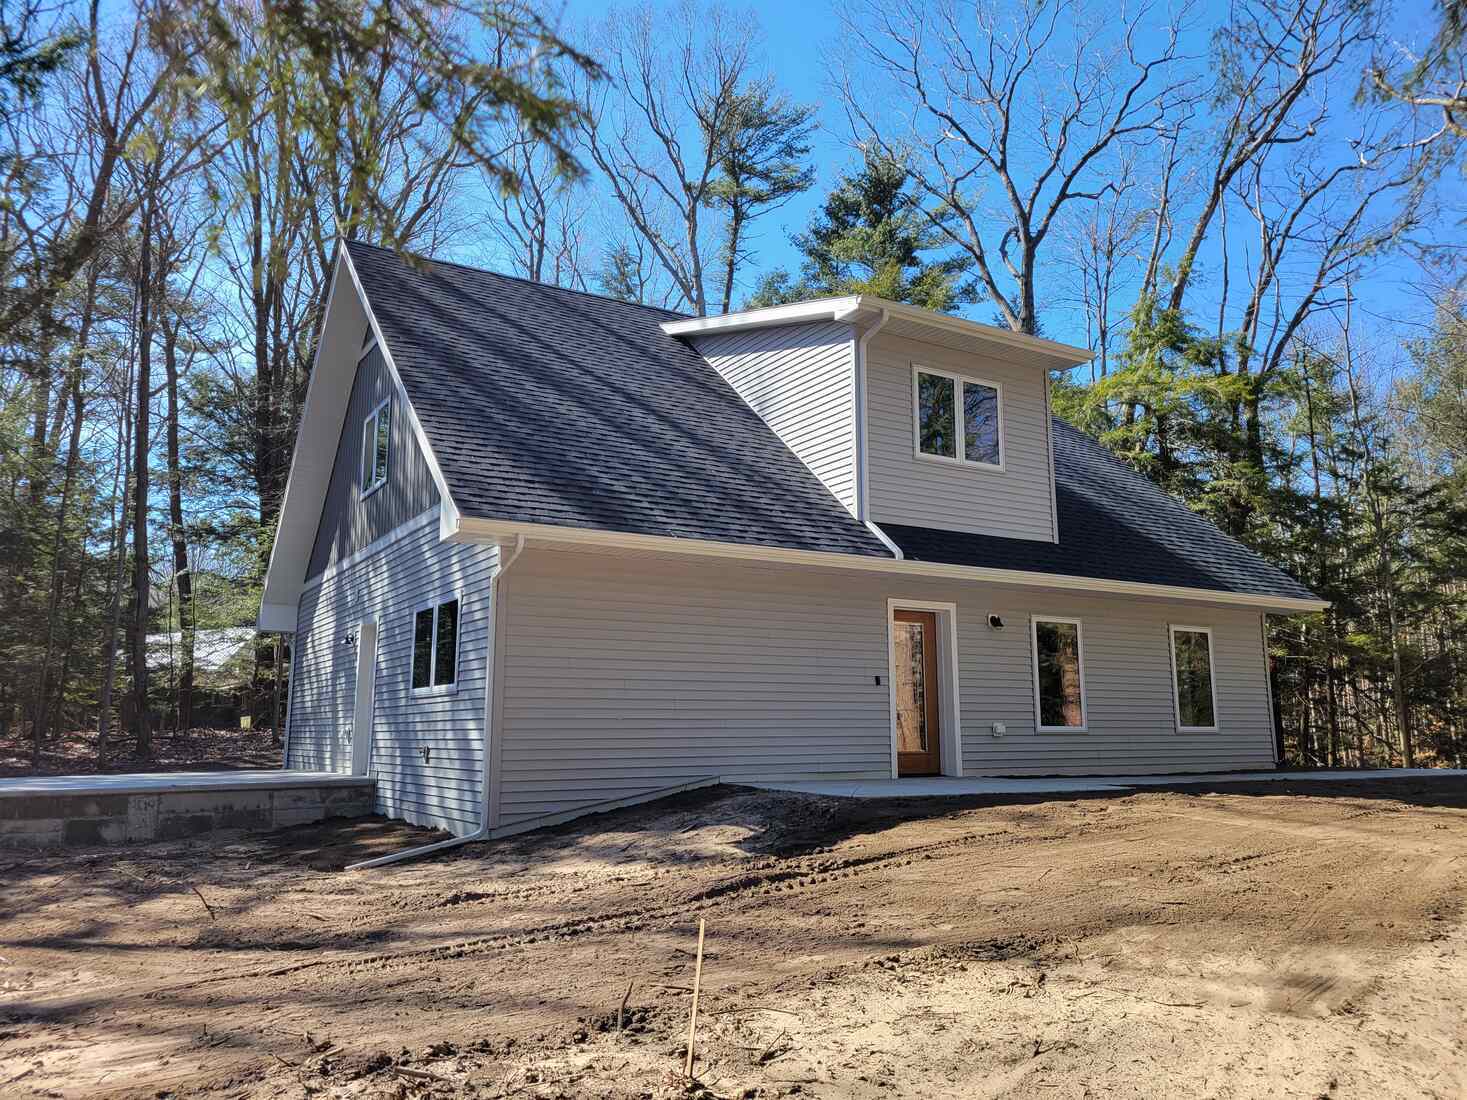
(490, 692)
(863, 504)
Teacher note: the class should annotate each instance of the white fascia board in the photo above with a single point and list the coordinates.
(820, 309)
(314, 455)
(276, 618)
(1068, 353)
(448, 514)
(834, 309)
(287, 563)
(485, 531)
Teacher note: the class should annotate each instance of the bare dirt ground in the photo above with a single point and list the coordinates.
(187, 751)
(1256, 940)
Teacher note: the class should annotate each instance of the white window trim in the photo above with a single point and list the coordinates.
(458, 635)
(959, 419)
(1172, 629)
(370, 420)
(1034, 621)
(950, 755)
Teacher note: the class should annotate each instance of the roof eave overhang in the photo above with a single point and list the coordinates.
(856, 308)
(314, 455)
(472, 529)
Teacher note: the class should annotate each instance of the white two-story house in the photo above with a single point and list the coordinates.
(544, 552)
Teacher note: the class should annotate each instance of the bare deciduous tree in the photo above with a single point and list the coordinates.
(541, 225)
(657, 131)
(1008, 116)
(1268, 56)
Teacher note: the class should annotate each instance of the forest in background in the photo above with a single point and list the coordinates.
(1208, 196)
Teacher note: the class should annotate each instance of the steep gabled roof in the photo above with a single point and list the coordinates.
(549, 406)
(555, 408)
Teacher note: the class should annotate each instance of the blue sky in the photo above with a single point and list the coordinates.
(798, 36)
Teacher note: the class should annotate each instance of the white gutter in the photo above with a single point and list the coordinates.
(863, 462)
(836, 308)
(490, 693)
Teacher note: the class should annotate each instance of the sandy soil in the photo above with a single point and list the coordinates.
(1268, 940)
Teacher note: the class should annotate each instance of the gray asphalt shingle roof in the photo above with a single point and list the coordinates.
(545, 405)
(1114, 524)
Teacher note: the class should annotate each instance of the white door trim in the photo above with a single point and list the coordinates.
(949, 707)
(366, 691)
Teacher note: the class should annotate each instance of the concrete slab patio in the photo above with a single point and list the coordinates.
(44, 811)
(949, 786)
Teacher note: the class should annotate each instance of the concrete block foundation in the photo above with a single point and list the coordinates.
(78, 811)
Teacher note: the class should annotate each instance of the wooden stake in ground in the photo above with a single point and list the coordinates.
(693, 1019)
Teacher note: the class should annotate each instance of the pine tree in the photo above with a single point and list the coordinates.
(872, 236)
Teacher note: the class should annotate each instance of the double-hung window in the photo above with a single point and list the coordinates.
(957, 419)
(435, 647)
(1192, 679)
(376, 443)
(1059, 674)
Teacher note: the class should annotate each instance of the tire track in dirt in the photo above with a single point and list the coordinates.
(1304, 982)
(812, 871)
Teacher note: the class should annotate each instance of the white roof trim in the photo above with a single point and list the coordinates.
(314, 456)
(275, 611)
(448, 515)
(483, 530)
(844, 309)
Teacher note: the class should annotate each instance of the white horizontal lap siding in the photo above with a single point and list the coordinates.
(800, 379)
(1128, 689)
(625, 676)
(322, 682)
(1015, 502)
(445, 791)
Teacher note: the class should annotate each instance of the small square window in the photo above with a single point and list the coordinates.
(376, 445)
(980, 423)
(423, 648)
(958, 419)
(936, 415)
(435, 647)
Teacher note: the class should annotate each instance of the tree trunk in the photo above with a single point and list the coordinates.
(275, 735)
(182, 577)
(735, 232)
(119, 573)
(141, 720)
(1321, 547)
(41, 678)
(1398, 687)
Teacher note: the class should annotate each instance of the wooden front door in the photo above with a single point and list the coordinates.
(919, 723)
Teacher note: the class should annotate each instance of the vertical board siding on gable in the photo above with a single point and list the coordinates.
(1015, 502)
(446, 791)
(626, 675)
(349, 522)
(800, 379)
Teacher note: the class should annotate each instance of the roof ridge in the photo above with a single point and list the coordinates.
(519, 279)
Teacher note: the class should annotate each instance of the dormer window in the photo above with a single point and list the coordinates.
(957, 419)
(376, 443)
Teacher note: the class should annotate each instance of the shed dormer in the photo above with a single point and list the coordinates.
(909, 417)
